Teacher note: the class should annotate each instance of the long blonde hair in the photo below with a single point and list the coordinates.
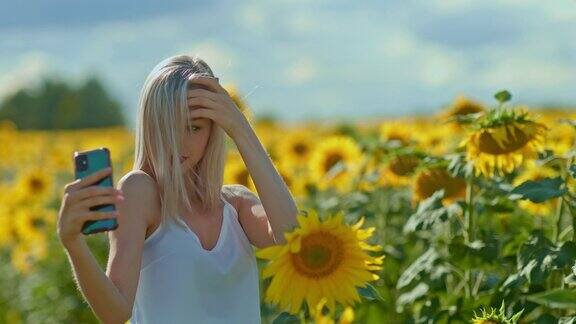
(162, 118)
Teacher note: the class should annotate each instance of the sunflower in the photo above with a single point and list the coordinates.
(236, 172)
(33, 222)
(429, 180)
(335, 162)
(400, 131)
(433, 139)
(33, 184)
(502, 140)
(320, 259)
(398, 171)
(295, 147)
(560, 138)
(495, 316)
(461, 106)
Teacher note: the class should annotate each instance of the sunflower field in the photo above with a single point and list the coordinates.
(462, 216)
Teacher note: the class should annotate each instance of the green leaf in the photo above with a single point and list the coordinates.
(536, 258)
(566, 255)
(567, 320)
(472, 255)
(558, 298)
(572, 171)
(286, 318)
(503, 96)
(370, 292)
(539, 191)
(430, 212)
(410, 297)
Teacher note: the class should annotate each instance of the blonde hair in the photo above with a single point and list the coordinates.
(162, 118)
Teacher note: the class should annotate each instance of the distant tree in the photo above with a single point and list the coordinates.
(56, 105)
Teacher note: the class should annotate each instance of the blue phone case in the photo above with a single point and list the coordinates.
(85, 164)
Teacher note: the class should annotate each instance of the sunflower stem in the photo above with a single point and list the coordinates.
(469, 230)
(469, 221)
(559, 211)
(573, 215)
(560, 208)
(570, 200)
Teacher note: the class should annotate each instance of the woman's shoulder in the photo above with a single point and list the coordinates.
(142, 185)
(139, 179)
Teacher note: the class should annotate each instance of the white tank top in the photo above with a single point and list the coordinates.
(181, 282)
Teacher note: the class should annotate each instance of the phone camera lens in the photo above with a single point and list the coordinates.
(82, 162)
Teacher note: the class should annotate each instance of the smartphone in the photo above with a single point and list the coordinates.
(86, 163)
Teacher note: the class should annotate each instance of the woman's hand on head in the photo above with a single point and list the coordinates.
(79, 196)
(215, 104)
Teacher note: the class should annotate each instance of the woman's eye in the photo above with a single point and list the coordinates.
(193, 128)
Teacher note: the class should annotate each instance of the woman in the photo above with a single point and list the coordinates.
(183, 249)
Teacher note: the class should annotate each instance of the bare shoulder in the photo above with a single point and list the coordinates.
(140, 185)
(138, 176)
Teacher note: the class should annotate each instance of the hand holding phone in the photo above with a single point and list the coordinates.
(88, 202)
(79, 197)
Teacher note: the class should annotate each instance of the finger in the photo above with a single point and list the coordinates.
(202, 93)
(210, 82)
(88, 180)
(100, 200)
(201, 113)
(202, 102)
(96, 215)
(93, 191)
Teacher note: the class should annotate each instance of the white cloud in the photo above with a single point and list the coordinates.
(398, 44)
(303, 70)
(300, 22)
(26, 74)
(527, 73)
(252, 16)
(221, 58)
(429, 63)
(440, 67)
(451, 6)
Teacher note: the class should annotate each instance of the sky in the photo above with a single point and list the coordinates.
(302, 59)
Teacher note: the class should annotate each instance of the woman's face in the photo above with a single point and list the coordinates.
(194, 141)
(195, 137)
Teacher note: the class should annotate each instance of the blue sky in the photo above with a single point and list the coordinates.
(306, 59)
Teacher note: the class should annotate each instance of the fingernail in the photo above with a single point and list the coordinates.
(121, 197)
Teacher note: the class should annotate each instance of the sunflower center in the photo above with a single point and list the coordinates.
(331, 160)
(466, 109)
(300, 149)
(36, 185)
(320, 254)
(38, 223)
(435, 179)
(488, 144)
(403, 165)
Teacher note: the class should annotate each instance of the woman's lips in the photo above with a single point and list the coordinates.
(183, 158)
